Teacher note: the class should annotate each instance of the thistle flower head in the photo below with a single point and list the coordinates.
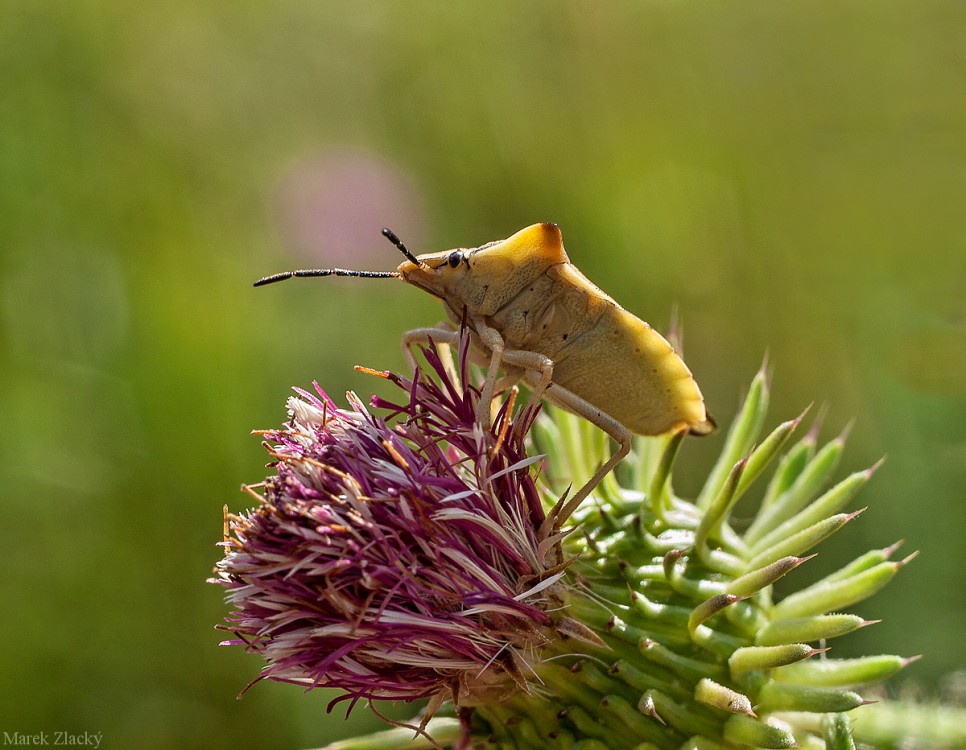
(397, 559)
(401, 551)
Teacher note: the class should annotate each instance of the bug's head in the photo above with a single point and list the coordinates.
(487, 277)
(428, 272)
(435, 273)
(482, 279)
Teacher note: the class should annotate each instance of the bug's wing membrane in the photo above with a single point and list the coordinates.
(635, 376)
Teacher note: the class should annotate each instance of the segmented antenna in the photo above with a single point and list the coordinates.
(304, 272)
(326, 272)
(391, 236)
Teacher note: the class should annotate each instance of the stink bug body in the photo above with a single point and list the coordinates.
(535, 316)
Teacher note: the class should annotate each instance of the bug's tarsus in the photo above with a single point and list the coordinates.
(391, 236)
(306, 272)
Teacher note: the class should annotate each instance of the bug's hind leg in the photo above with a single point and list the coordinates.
(576, 405)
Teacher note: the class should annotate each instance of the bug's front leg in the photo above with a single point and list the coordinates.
(445, 338)
(442, 336)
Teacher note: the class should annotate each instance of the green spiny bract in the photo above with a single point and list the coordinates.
(697, 652)
(646, 622)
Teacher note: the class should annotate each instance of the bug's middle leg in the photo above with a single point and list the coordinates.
(527, 361)
(539, 370)
(539, 374)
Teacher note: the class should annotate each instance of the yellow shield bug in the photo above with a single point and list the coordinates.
(539, 319)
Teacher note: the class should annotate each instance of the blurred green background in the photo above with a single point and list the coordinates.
(790, 175)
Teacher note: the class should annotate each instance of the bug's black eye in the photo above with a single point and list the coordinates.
(454, 258)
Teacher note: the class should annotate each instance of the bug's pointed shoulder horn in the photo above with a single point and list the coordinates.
(542, 241)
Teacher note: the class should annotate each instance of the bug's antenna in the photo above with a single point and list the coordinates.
(326, 272)
(387, 233)
(391, 236)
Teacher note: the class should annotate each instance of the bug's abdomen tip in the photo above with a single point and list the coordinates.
(704, 428)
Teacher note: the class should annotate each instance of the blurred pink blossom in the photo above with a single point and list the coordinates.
(332, 205)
